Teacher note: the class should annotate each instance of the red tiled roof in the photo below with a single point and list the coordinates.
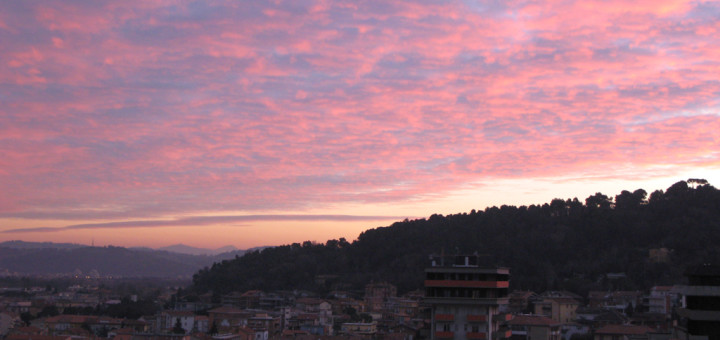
(27, 330)
(135, 322)
(226, 309)
(35, 337)
(70, 319)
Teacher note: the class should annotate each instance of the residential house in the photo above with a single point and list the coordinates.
(596, 298)
(250, 299)
(359, 328)
(339, 306)
(168, 320)
(534, 327)
(660, 300)
(520, 301)
(377, 295)
(60, 324)
(595, 318)
(264, 322)
(560, 309)
(319, 307)
(624, 301)
(231, 299)
(202, 323)
(228, 317)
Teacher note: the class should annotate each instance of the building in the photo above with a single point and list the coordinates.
(595, 318)
(377, 295)
(560, 306)
(521, 301)
(699, 312)
(560, 309)
(659, 300)
(359, 328)
(170, 319)
(467, 301)
(534, 327)
(227, 317)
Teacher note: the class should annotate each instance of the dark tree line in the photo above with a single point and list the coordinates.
(564, 244)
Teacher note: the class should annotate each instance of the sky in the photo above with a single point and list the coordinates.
(253, 123)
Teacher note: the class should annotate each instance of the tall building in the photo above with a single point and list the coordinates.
(699, 312)
(468, 301)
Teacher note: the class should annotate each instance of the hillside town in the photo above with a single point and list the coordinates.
(461, 300)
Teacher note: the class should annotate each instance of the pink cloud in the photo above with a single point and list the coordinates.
(135, 109)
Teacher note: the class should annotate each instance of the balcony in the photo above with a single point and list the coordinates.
(476, 335)
(465, 300)
(444, 335)
(466, 284)
(444, 317)
(476, 318)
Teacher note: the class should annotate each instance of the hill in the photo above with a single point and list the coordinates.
(185, 249)
(32, 258)
(17, 244)
(563, 244)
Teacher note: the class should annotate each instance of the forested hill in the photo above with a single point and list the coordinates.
(564, 244)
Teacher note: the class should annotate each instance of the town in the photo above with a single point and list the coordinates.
(462, 299)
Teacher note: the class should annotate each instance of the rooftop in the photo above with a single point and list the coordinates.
(532, 320)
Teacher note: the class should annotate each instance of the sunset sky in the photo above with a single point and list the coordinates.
(250, 123)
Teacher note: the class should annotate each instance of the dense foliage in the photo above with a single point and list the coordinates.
(564, 244)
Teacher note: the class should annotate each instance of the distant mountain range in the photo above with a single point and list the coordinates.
(16, 244)
(47, 258)
(185, 249)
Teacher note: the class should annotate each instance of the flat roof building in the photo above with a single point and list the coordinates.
(468, 301)
(699, 312)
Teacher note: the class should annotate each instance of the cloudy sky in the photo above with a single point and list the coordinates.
(268, 122)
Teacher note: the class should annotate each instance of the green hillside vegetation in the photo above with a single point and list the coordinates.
(563, 244)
